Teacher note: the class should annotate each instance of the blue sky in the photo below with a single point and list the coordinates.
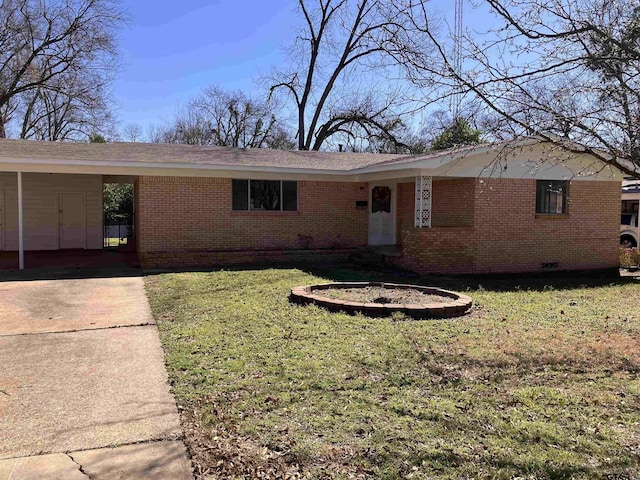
(173, 49)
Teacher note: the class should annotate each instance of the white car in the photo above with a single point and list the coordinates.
(629, 230)
(629, 216)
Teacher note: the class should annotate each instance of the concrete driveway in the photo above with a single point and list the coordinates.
(82, 372)
(65, 305)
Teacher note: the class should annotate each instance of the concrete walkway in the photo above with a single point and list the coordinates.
(83, 387)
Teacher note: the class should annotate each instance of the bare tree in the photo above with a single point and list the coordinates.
(280, 138)
(132, 132)
(234, 119)
(341, 41)
(404, 141)
(223, 118)
(70, 107)
(44, 41)
(555, 119)
(567, 71)
(160, 133)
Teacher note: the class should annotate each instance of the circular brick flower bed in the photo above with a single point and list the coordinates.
(382, 299)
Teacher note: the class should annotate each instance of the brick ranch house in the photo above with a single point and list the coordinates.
(516, 207)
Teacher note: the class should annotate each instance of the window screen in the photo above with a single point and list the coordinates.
(265, 195)
(240, 199)
(551, 196)
(290, 196)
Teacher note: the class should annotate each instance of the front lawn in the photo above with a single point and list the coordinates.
(539, 381)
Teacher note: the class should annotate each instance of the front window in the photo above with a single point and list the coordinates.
(265, 195)
(551, 196)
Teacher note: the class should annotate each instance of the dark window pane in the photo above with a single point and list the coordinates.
(541, 190)
(240, 195)
(553, 201)
(265, 194)
(551, 196)
(290, 196)
(381, 199)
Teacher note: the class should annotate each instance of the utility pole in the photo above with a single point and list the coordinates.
(457, 38)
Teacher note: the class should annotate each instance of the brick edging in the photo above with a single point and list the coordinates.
(310, 294)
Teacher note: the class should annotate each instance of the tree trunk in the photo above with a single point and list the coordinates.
(302, 138)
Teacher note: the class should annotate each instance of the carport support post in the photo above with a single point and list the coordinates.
(20, 224)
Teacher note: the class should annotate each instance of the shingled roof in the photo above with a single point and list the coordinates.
(158, 153)
(525, 156)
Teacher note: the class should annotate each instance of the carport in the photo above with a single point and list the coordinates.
(51, 199)
(44, 212)
(55, 219)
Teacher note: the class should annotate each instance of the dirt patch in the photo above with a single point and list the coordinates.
(385, 295)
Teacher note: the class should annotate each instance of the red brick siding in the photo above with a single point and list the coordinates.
(511, 237)
(480, 225)
(452, 203)
(443, 248)
(203, 258)
(506, 235)
(436, 250)
(180, 215)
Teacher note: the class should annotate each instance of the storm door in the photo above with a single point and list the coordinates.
(382, 215)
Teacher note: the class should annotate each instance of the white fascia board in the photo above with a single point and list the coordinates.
(418, 164)
(523, 171)
(150, 168)
(434, 162)
(395, 174)
(182, 170)
(167, 169)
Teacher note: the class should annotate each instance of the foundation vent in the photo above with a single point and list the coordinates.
(549, 265)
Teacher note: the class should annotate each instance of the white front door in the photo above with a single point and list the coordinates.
(382, 215)
(73, 220)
